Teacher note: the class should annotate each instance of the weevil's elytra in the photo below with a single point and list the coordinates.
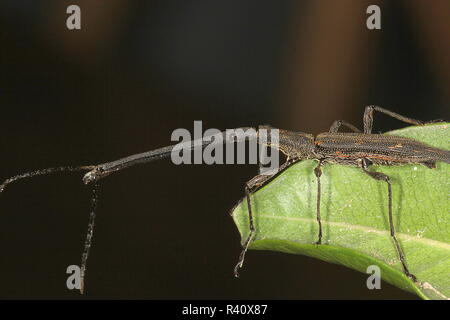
(361, 149)
(380, 148)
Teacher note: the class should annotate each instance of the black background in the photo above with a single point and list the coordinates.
(136, 71)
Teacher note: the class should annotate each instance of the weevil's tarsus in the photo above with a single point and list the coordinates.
(42, 172)
(89, 236)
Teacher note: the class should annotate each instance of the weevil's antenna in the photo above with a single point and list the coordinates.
(90, 231)
(89, 235)
(41, 172)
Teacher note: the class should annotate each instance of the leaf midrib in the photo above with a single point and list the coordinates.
(404, 236)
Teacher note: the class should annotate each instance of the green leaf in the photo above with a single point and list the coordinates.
(354, 211)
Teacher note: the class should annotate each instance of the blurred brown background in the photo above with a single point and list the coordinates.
(136, 71)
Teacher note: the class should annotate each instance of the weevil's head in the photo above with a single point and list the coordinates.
(296, 145)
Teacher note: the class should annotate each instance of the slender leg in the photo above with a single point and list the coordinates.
(251, 187)
(338, 123)
(318, 173)
(89, 235)
(250, 235)
(368, 117)
(382, 177)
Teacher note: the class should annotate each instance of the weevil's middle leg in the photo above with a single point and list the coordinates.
(383, 177)
(250, 187)
(318, 173)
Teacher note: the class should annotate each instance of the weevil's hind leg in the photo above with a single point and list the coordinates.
(338, 123)
(89, 235)
(368, 117)
(383, 177)
(318, 173)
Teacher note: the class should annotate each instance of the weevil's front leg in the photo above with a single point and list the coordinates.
(338, 123)
(383, 177)
(318, 173)
(251, 187)
(250, 235)
(368, 117)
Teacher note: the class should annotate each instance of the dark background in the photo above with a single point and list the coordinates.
(136, 71)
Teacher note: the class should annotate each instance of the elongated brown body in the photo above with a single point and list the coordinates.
(379, 148)
(348, 148)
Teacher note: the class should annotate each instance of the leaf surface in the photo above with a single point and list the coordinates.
(354, 211)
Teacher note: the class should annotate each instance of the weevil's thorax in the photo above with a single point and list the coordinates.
(296, 145)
